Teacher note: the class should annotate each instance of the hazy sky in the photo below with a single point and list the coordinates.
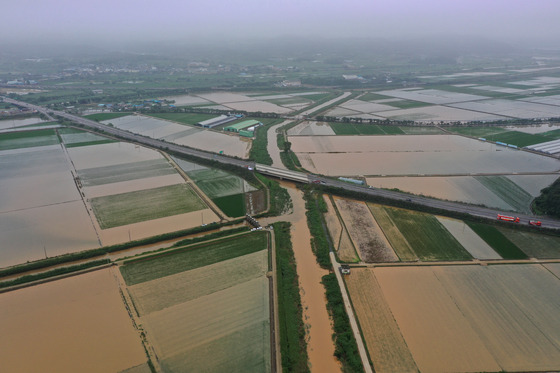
(511, 20)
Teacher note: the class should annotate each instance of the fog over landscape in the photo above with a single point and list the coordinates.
(515, 21)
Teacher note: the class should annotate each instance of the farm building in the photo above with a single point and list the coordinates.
(247, 125)
(210, 123)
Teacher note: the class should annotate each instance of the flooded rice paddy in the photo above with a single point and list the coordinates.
(413, 155)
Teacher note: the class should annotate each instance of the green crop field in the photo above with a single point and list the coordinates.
(394, 236)
(520, 139)
(216, 183)
(364, 129)
(184, 118)
(486, 132)
(106, 116)
(421, 130)
(191, 257)
(125, 172)
(373, 97)
(133, 207)
(508, 191)
(232, 206)
(28, 139)
(427, 237)
(407, 104)
(497, 240)
(535, 245)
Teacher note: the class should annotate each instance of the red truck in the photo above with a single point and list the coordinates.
(508, 218)
(535, 223)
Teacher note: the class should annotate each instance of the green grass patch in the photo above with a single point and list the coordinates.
(496, 239)
(293, 346)
(407, 104)
(346, 349)
(427, 237)
(279, 200)
(232, 206)
(520, 139)
(28, 139)
(364, 129)
(133, 207)
(394, 236)
(535, 245)
(370, 96)
(52, 273)
(486, 132)
(185, 118)
(168, 263)
(507, 190)
(549, 201)
(99, 117)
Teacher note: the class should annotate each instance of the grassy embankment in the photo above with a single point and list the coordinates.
(548, 203)
(292, 330)
(346, 349)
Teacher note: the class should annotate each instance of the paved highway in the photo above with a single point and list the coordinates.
(155, 143)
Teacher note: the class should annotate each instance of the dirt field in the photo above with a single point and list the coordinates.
(476, 318)
(365, 233)
(438, 335)
(386, 346)
(78, 324)
(339, 235)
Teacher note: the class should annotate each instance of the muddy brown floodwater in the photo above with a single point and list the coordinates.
(320, 346)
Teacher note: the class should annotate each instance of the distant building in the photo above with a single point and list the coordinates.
(245, 125)
(222, 119)
(344, 269)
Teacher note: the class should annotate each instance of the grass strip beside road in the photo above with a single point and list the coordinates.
(293, 346)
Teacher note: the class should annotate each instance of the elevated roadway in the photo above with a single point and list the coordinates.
(286, 174)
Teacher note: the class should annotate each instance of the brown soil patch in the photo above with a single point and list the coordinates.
(364, 231)
(382, 336)
(78, 324)
(255, 202)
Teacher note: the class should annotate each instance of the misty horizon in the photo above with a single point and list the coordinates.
(518, 23)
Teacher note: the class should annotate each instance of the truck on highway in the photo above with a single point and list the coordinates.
(508, 218)
(536, 223)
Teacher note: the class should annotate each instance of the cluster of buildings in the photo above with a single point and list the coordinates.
(245, 128)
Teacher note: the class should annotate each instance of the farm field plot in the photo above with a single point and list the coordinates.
(133, 185)
(186, 100)
(238, 101)
(507, 190)
(41, 208)
(535, 129)
(431, 96)
(192, 257)
(503, 315)
(399, 243)
(498, 241)
(28, 139)
(12, 123)
(65, 325)
(110, 154)
(439, 337)
(384, 341)
(427, 236)
(128, 208)
(364, 129)
(412, 155)
(125, 172)
(453, 188)
(72, 137)
(468, 239)
(218, 183)
(184, 286)
(217, 142)
(311, 128)
(206, 306)
(535, 245)
(186, 118)
(365, 233)
(511, 108)
(533, 184)
(147, 126)
(365, 107)
(339, 235)
(554, 268)
(421, 130)
(437, 113)
(209, 324)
